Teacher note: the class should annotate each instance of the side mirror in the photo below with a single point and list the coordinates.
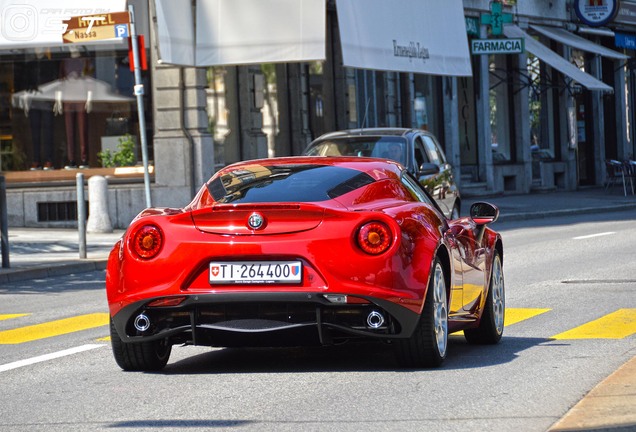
(483, 213)
(428, 169)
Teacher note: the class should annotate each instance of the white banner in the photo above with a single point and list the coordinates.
(256, 31)
(175, 31)
(419, 36)
(39, 23)
(233, 32)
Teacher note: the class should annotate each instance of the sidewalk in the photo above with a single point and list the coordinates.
(37, 253)
(550, 204)
(40, 253)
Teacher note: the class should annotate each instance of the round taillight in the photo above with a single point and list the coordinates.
(374, 238)
(147, 241)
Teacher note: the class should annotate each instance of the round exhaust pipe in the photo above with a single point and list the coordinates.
(375, 320)
(142, 322)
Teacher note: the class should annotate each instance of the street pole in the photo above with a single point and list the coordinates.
(81, 214)
(139, 93)
(4, 221)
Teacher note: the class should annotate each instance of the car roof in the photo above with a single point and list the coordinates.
(401, 132)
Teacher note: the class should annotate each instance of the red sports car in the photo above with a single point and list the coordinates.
(305, 250)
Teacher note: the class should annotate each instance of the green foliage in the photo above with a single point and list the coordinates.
(13, 159)
(269, 71)
(124, 156)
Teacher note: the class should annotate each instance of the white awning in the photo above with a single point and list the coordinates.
(40, 23)
(419, 36)
(553, 59)
(566, 38)
(233, 32)
(175, 31)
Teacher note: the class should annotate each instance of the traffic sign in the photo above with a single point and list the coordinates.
(88, 28)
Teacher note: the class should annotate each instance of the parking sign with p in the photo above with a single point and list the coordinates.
(121, 31)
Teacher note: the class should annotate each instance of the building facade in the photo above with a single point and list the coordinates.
(540, 120)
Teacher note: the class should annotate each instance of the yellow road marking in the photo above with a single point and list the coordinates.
(515, 315)
(617, 325)
(53, 328)
(11, 316)
(104, 339)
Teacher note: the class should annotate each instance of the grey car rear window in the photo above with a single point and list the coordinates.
(357, 146)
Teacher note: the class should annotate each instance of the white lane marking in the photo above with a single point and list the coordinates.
(46, 357)
(594, 235)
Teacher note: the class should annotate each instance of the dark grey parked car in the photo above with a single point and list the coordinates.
(418, 150)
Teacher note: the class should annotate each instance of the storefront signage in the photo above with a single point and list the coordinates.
(626, 13)
(411, 50)
(496, 18)
(623, 40)
(596, 13)
(88, 28)
(497, 46)
(472, 26)
(41, 23)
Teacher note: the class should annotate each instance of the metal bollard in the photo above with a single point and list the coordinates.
(81, 215)
(4, 222)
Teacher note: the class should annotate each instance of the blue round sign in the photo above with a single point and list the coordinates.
(596, 13)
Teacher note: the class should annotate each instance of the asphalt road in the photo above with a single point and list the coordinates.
(562, 276)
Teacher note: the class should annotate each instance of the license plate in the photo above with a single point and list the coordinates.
(256, 272)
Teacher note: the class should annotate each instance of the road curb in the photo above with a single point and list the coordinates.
(511, 217)
(608, 406)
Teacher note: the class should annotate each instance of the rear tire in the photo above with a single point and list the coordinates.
(139, 356)
(491, 325)
(428, 344)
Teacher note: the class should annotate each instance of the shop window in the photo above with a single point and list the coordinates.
(269, 108)
(500, 109)
(427, 104)
(467, 118)
(320, 100)
(544, 112)
(67, 107)
(218, 113)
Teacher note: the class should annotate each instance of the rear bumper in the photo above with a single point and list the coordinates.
(263, 319)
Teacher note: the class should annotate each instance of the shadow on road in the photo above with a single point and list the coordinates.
(82, 281)
(352, 357)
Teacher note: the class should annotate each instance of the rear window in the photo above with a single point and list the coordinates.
(386, 147)
(286, 183)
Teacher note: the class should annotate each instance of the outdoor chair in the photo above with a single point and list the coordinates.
(630, 172)
(615, 173)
